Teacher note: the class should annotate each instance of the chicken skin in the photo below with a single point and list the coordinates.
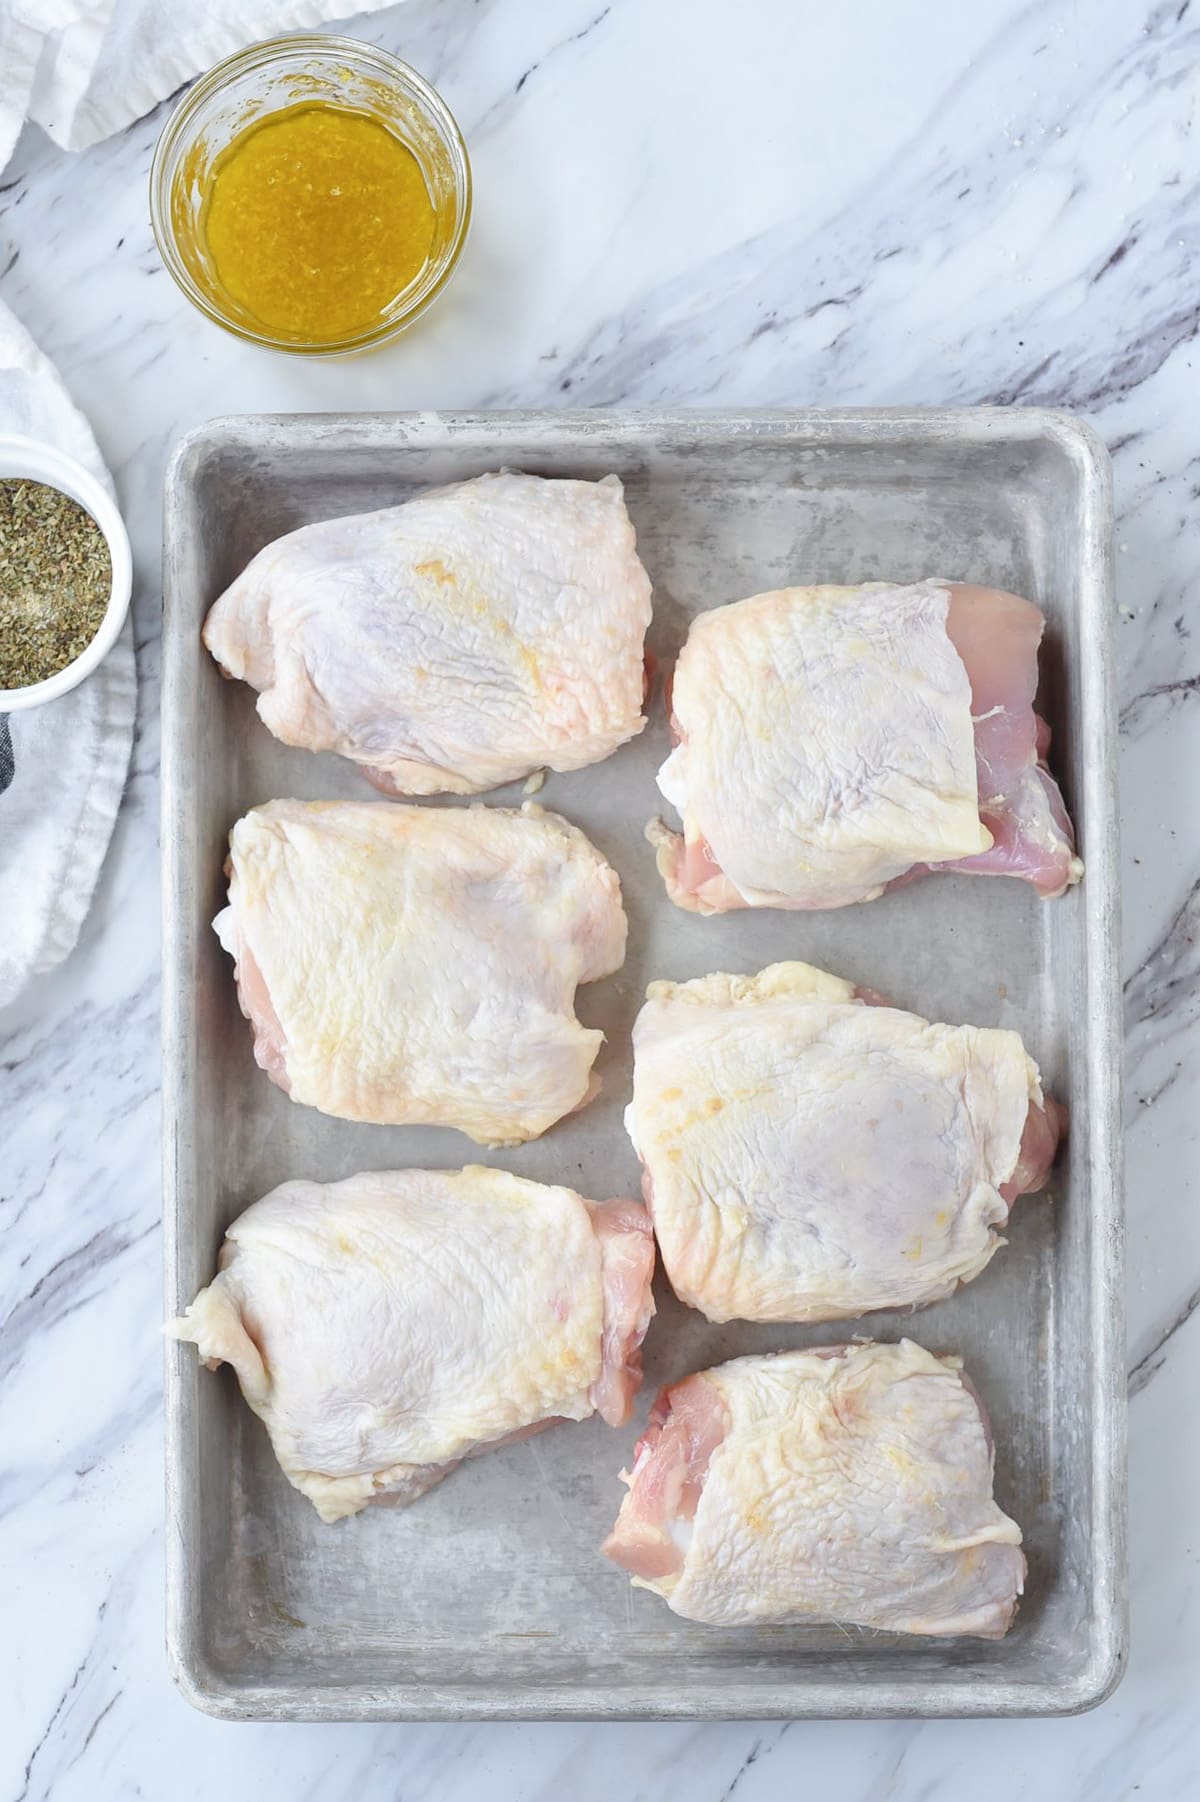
(851, 1483)
(461, 640)
(833, 741)
(810, 1156)
(418, 964)
(386, 1327)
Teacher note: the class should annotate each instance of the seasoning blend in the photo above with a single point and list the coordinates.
(56, 580)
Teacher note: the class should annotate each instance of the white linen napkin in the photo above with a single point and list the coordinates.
(62, 766)
(83, 69)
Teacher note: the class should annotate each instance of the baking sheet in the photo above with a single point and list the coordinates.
(489, 1598)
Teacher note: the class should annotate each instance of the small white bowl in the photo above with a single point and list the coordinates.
(26, 458)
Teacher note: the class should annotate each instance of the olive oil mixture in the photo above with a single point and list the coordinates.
(316, 219)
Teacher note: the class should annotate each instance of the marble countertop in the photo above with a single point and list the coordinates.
(683, 202)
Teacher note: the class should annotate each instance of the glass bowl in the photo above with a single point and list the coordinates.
(288, 72)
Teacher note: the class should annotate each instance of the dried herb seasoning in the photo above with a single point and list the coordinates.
(55, 581)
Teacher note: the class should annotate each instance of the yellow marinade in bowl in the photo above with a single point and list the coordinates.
(312, 194)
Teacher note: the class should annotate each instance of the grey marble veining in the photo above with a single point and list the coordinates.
(676, 202)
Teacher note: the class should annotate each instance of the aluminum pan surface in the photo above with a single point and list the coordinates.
(488, 1598)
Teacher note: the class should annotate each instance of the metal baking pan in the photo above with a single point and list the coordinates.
(489, 1598)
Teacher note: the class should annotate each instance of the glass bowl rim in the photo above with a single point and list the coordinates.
(263, 53)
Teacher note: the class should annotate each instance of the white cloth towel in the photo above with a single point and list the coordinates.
(83, 69)
(62, 766)
(86, 68)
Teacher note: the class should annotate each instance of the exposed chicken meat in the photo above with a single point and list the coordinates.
(687, 1424)
(464, 639)
(997, 636)
(626, 1240)
(809, 1156)
(832, 741)
(851, 1484)
(1045, 1125)
(419, 964)
(386, 1327)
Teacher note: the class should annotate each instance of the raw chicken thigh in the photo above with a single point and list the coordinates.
(832, 741)
(386, 1327)
(808, 1156)
(461, 640)
(419, 964)
(851, 1483)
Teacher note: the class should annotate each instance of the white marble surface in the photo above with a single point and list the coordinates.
(677, 201)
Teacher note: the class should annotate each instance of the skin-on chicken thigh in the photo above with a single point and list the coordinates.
(418, 964)
(850, 1484)
(810, 1156)
(462, 640)
(386, 1327)
(833, 741)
